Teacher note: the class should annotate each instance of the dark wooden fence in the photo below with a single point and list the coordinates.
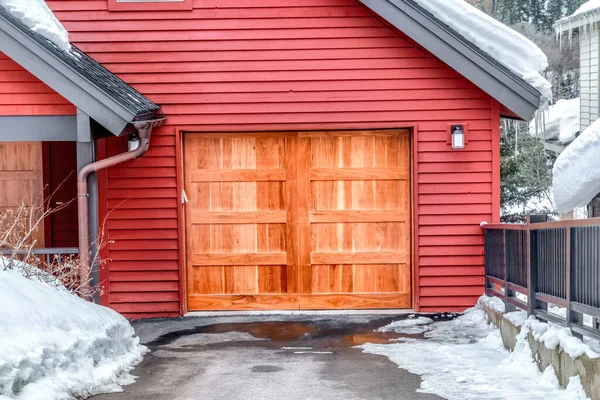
(531, 266)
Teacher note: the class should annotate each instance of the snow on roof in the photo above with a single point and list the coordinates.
(508, 47)
(560, 122)
(586, 7)
(576, 172)
(587, 14)
(36, 15)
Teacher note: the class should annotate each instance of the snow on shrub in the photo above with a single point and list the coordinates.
(55, 345)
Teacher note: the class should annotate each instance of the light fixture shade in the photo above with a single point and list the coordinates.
(134, 142)
(458, 137)
(458, 140)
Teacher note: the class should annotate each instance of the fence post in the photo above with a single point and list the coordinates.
(531, 272)
(532, 278)
(572, 316)
(507, 292)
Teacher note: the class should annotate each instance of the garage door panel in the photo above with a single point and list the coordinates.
(328, 193)
(238, 203)
(239, 279)
(357, 237)
(359, 220)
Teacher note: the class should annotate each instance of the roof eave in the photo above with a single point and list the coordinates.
(577, 21)
(45, 66)
(508, 89)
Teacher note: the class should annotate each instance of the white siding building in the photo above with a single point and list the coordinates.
(587, 20)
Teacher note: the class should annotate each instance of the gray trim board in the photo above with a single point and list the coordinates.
(75, 76)
(460, 54)
(30, 55)
(38, 128)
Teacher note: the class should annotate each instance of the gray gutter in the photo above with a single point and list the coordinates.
(45, 66)
(460, 54)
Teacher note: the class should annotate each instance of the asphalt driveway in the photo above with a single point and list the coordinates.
(267, 357)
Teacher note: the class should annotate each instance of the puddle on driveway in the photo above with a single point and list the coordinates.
(315, 337)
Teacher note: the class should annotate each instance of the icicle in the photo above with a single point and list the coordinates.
(516, 139)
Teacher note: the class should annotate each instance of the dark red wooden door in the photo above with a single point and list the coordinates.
(62, 184)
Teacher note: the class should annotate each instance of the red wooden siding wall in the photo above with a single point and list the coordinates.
(256, 65)
(23, 94)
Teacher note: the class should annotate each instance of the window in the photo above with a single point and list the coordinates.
(149, 5)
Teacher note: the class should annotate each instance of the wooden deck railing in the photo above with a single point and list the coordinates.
(531, 266)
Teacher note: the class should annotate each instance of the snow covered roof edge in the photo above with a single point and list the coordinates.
(75, 76)
(587, 14)
(464, 56)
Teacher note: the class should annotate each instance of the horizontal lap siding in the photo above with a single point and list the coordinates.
(23, 94)
(256, 65)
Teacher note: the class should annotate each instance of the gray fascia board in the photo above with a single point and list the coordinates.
(63, 79)
(448, 48)
(38, 128)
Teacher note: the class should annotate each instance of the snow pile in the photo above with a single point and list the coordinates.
(36, 15)
(553, 336)
(560, 122)
(508, 47)
(476, 369)
(54, 345)
(409, 326)
(517, 318)
(492, 303)
(576, 174)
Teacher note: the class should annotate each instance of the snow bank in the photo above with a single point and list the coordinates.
(54, 345)
(479, 368)
(507, 46)
(560, 122)
(576, 174)
(36, 15)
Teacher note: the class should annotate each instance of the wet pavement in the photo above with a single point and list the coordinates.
(269, 357)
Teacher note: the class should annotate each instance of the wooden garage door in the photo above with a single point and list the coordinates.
(315, 220)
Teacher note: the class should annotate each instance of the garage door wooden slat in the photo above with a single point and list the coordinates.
(358, 258)
(238, 175)
(243, 302)
(352, 174)
(239, 259)
(239, 217)
(346, 216)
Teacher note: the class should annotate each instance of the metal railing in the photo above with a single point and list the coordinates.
(547, 263)
(51, 255)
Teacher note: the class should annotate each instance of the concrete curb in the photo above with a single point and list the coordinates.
(588, 369)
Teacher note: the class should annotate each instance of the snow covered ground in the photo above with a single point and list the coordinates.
(54, 345)
(516, 52)
(36, 15)
(464, 359)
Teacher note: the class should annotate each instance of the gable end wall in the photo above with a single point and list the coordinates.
(273, 65)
